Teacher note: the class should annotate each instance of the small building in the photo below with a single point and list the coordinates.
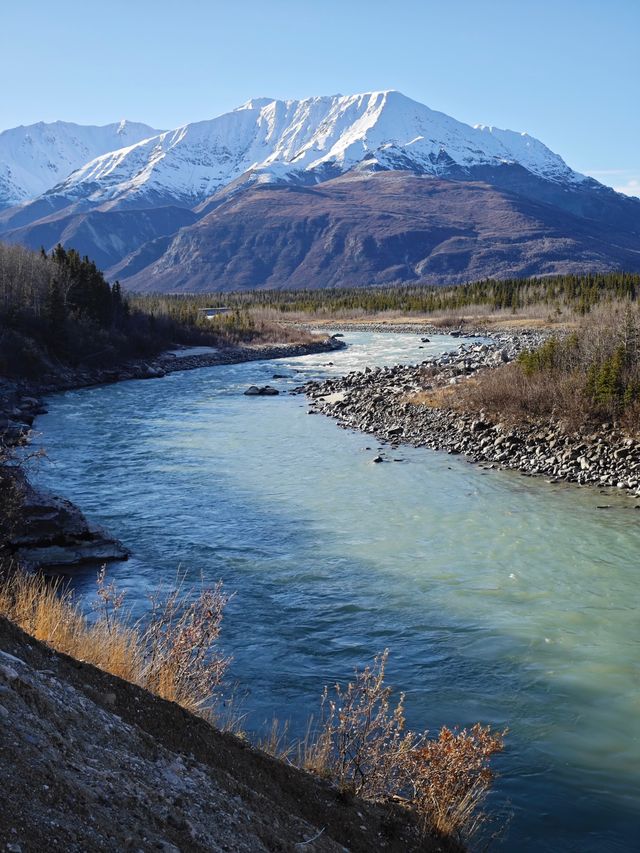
(210, 313)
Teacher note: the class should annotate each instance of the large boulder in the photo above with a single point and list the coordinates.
(52, 533)
(264, 391)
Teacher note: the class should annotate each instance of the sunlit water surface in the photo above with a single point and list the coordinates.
(502, 598)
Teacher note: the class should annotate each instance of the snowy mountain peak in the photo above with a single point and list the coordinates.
(264, 140)
(254, 104)
(33, 158)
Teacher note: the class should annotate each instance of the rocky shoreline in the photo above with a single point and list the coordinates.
(422, 328)
(379, 402)
(67, 378)
(51, 533)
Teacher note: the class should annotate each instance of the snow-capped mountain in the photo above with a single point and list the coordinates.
(305, 141)
(34, 158)
(328, 191)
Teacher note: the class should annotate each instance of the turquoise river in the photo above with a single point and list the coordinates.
(502, 599)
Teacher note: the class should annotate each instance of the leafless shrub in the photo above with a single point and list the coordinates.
(507, 393)
(24, 278)
(360, 743)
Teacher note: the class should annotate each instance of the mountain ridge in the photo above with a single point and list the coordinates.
(33, 158)
(149, 199)
(297, 140)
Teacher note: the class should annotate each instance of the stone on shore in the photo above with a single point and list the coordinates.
(52, 533)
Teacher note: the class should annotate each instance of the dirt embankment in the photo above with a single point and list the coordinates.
(91, 762)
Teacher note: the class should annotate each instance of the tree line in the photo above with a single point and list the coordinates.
(58, 308)
(578, 293)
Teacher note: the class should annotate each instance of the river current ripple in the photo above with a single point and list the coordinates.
(503, 599)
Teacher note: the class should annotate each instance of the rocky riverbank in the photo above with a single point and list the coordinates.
(49, 532)
(418, 328)
(382, 402)
(426, 327)
(67, 378)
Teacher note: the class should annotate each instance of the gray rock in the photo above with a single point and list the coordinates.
(264, 391)
(72, 554)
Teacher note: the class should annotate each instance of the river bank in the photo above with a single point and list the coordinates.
(465, 327)
(136, 772)
(501, 598)
(49, 532)
(384, 402)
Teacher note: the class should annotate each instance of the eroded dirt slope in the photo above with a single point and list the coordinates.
(90, 762)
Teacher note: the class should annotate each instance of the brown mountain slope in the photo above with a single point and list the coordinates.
(102, 234)
(358, 230)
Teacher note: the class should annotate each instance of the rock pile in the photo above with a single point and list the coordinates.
(378, 401)
(261, 391)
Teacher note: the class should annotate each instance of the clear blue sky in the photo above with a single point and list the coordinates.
(566, 71)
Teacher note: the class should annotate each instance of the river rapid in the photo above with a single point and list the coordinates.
(502, 599)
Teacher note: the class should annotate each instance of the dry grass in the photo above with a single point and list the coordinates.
(359, 742)
(173, 654)
(509, 394)
(474, 317)
(443, 397)
(256, 327)
(587, 378)
(450, 777)
(271, 330)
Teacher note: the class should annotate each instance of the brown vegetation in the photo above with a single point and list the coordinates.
(172, 654)
(589, 377)
(360, 742)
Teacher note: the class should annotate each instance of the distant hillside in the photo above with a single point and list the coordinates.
(389, 227)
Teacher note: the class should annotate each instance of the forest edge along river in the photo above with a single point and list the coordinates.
(502, 599)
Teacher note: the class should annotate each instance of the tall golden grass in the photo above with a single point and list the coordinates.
(173, 653)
